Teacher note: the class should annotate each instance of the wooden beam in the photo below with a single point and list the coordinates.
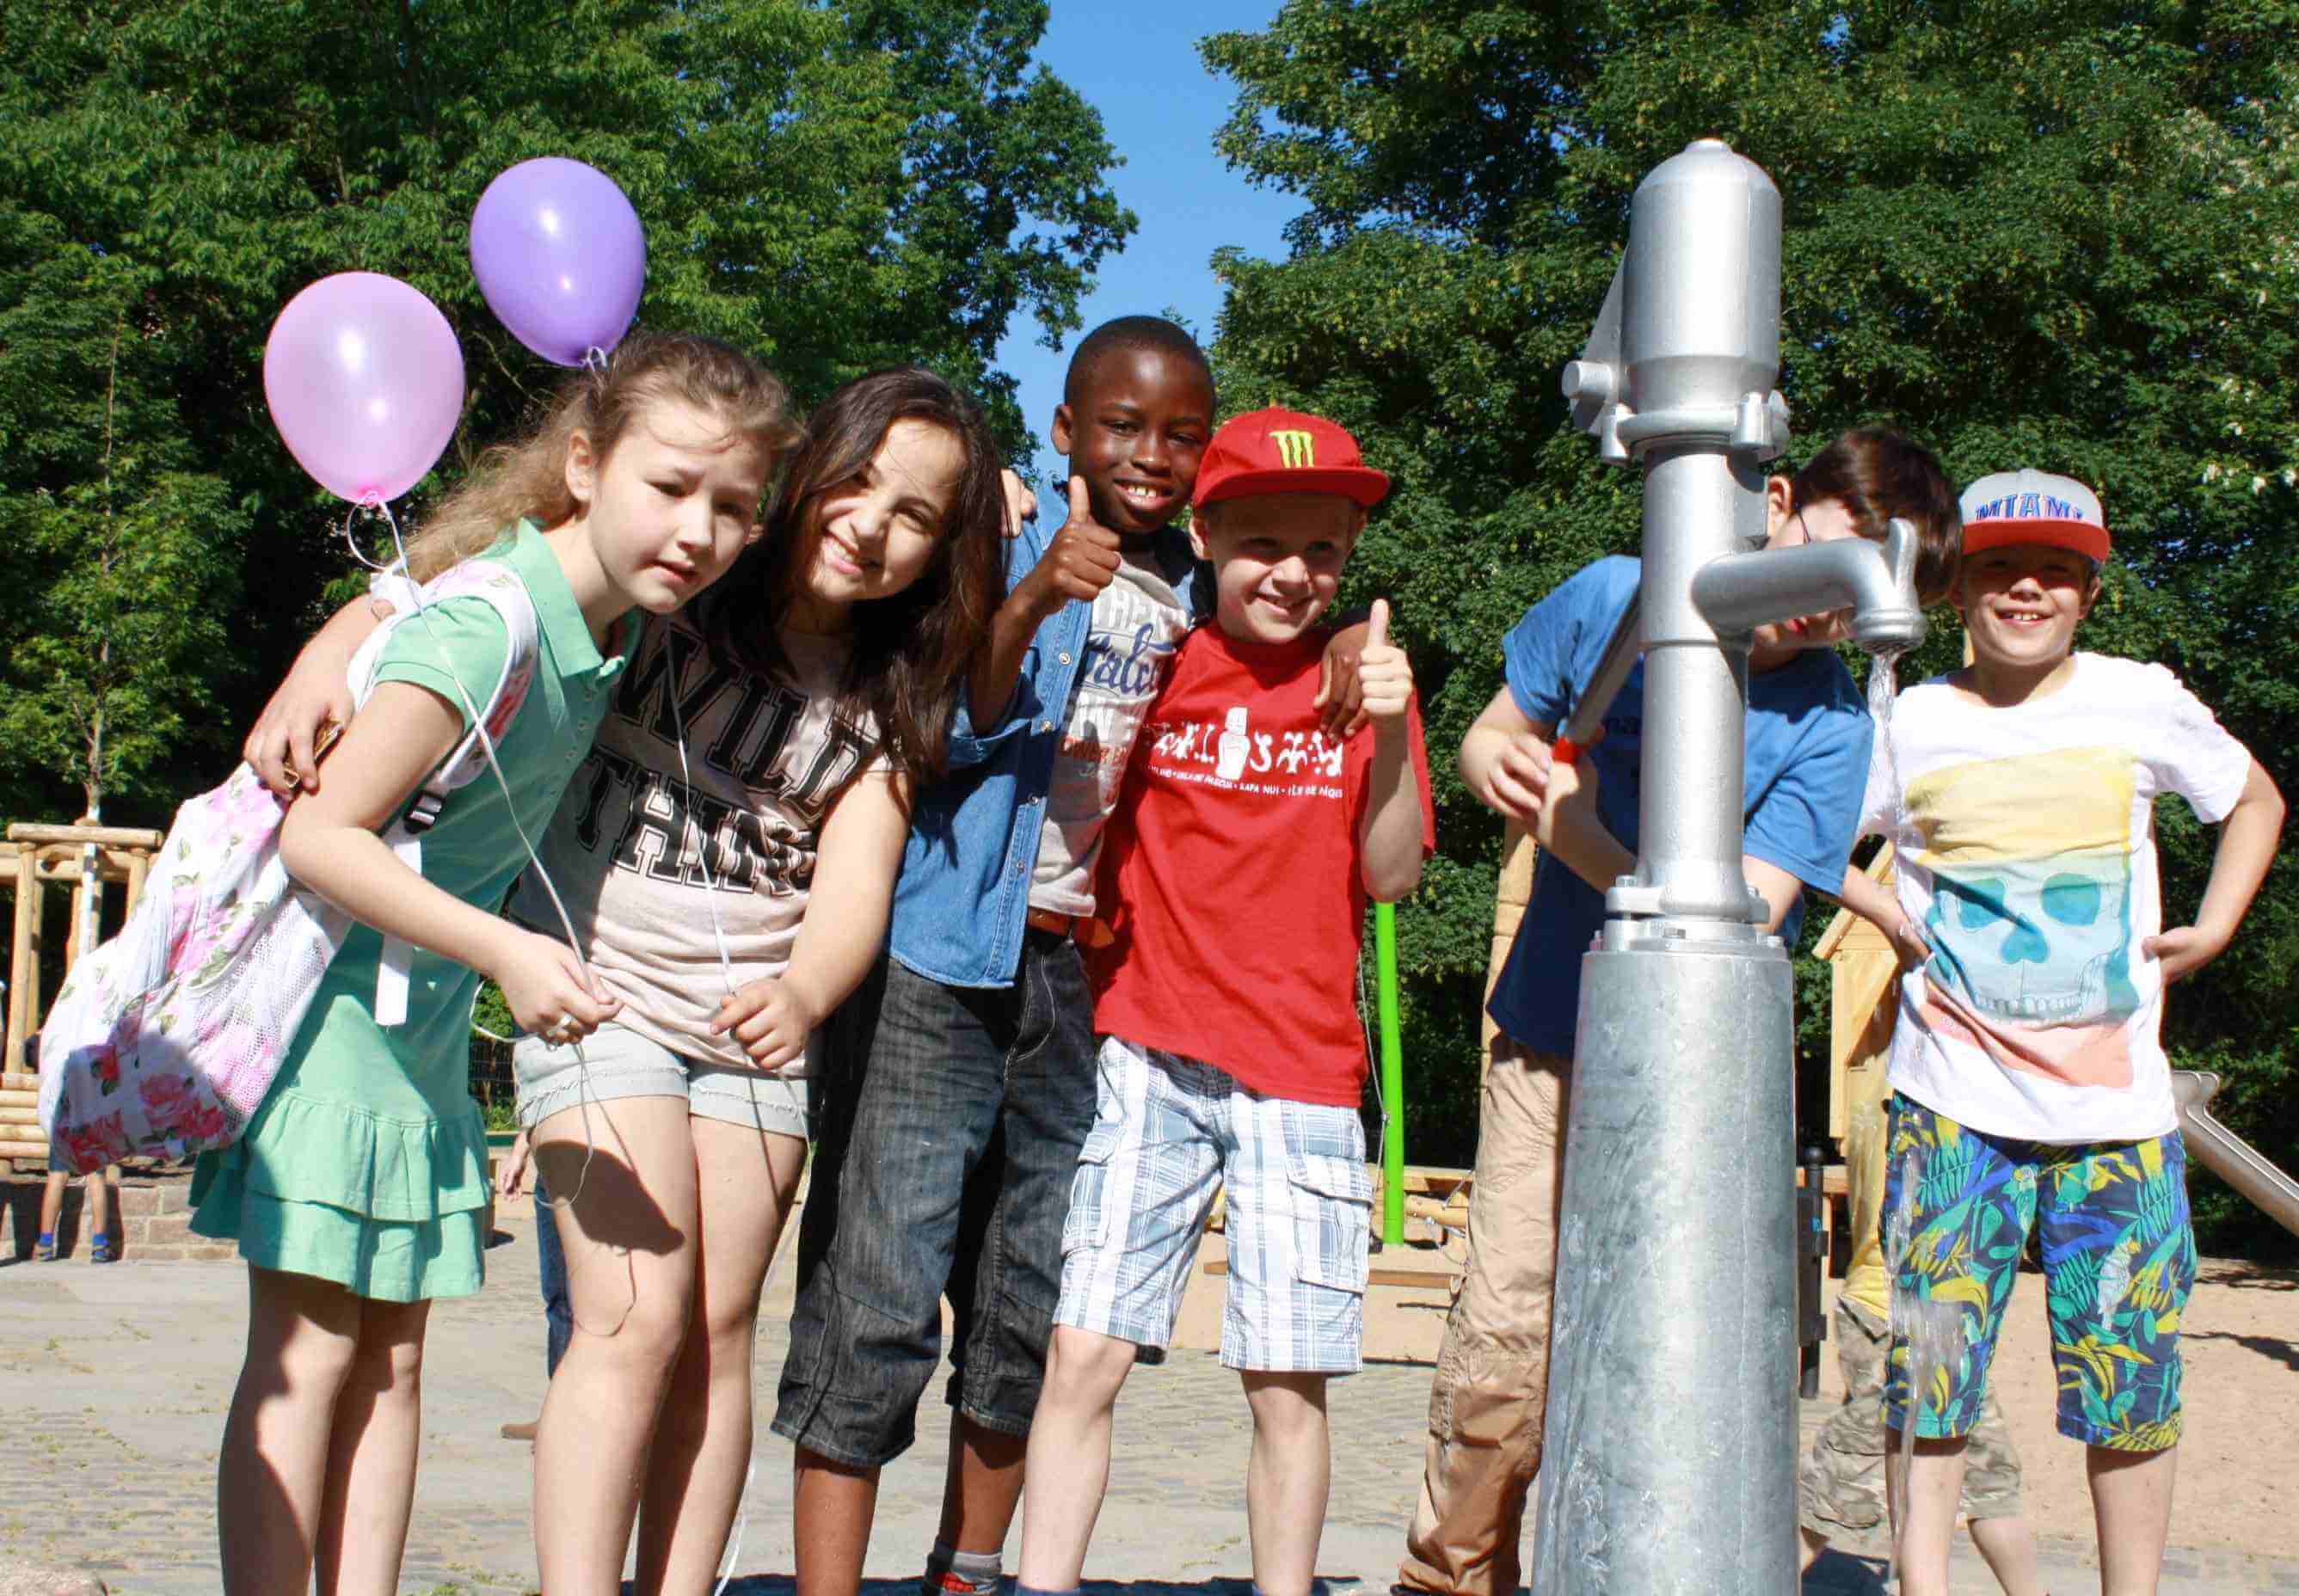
(72, 927)
(1879, 869)
(56, 863)
(24, 962)
(103, 835)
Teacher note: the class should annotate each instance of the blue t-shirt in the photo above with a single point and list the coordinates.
(1806, 762)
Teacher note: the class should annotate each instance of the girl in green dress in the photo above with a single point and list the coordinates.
(359, 1193)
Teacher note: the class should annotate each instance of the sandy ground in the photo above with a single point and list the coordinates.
(2238, 1464)
(117, 1377)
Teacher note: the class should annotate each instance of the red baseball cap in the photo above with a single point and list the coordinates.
(1285, 452)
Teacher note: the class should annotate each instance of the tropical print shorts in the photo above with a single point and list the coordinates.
(2119, 1262)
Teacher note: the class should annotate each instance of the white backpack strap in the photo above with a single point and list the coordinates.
(508, 596)
(397, 589)
(394, 972)
(473, 755)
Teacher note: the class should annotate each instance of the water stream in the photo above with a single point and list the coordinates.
(1932, 1331)
(1883, 687)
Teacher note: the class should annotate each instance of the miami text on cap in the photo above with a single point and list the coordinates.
(2034, 507)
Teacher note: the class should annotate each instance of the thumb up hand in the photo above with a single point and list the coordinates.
(1083, 557)
(1384, 674)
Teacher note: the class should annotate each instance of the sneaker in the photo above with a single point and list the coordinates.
(102, 1248)
(949, 1582)
(44, 1251)
(520, 1432)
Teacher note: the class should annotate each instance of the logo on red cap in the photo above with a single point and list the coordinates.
(1285, 452)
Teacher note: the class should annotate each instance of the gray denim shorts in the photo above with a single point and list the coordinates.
(616, 1061)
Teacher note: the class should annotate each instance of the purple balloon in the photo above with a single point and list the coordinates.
(560, 256)
(365, 382)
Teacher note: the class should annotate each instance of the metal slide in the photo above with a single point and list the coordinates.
(2228, 1155)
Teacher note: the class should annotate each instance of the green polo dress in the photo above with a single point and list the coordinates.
(367, 1163)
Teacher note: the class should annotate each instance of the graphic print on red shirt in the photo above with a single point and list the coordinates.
(1231, 873)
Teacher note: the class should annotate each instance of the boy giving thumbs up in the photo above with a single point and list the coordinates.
(1245, 845)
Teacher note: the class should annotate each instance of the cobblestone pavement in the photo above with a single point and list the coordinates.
(117, 1378)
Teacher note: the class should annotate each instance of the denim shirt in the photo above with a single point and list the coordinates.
(964, 893)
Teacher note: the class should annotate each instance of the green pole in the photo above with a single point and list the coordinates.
(1392, 1078)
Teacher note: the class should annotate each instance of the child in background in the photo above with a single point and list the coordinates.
(515, 1177)
(2031, 1087)
(1806, 746)
(1242, 857)
(360, 1190)
(102, 1245)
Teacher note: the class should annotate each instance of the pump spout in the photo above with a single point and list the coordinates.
(1738, 592)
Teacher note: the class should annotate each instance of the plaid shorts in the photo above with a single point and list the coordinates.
(1170, 1131)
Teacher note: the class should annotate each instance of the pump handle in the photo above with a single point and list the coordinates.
(1613, 667)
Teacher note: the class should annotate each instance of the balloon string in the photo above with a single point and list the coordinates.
(380, 512)
(594, 359)
(376, 507)
(373, 507)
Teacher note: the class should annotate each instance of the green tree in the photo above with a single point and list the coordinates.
(835, 184)
(116, 597)
(2064, 236)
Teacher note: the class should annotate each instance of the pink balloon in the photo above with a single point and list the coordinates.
(365, 382)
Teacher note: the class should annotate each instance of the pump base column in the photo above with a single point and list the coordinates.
(1671, 1455)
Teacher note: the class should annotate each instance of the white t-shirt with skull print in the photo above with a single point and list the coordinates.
(2026, 848)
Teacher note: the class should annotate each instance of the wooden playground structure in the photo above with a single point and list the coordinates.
(84, 859)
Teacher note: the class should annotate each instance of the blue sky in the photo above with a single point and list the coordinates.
(1139, 67)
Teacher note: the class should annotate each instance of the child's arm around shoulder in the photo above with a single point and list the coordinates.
(331, 843)
(2247, 838)
(847, 910)
(1390, 845)
(316, 692)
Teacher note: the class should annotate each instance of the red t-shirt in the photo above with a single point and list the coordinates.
(1230, 877)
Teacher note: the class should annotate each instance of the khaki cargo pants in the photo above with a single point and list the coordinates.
(1490, 1394)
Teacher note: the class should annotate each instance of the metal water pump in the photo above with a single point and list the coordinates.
(1671, 1453)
